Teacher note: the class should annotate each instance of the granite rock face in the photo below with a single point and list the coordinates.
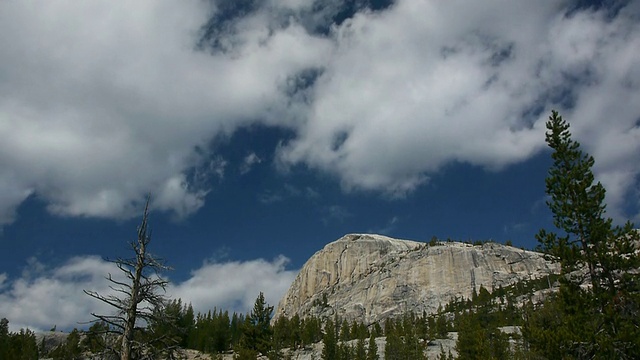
(367, 278)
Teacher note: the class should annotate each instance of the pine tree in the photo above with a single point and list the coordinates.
(597, 308)
(372, 350)
(256, 332)
(472, 340)
(299, 335)
(377, 330)
(344, 352)
(361, 350)
(70, 349)
(235, 328)
(330, 341)
(345, 334)
(411, 346)
(393, 349)
(312, 331)
(4, 338)
(441, 328)
(96, 338)
(22, 346)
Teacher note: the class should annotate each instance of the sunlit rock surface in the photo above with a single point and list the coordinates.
(368, 278)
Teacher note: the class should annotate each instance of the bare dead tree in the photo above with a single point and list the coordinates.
(135, 299)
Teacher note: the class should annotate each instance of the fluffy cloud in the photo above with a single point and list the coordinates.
(235, 285)
(418, 86)
(427, 83)
(43, 297)
(101, 104)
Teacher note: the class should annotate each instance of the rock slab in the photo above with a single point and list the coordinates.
(367, 278)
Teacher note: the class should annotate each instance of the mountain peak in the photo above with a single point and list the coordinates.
(369, 277)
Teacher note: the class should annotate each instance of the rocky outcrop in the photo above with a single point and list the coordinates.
(368, 278)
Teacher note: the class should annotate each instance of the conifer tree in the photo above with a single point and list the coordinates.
(96, 338)
(281, 330)
(412, 347)
(361, 350)
(330, 341)
(590, 240)
(70, 349)
(345, 334)
(257, 328)
(344, 352)
(597, 307)
(393, 348)
(441, 329)
(311, 332)
(298, 333)
(4, 338)
(22, 346)
(372, 350)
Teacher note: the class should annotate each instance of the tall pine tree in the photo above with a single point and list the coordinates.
(257, 330)
(330, 341)
(597, 308)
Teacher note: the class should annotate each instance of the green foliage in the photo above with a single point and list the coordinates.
(403, 341)
(169, 328)
(345, 332)
(441, 329)
(600, 320)
(213, 332)
(312, 330)
(559, 328)
(17, 346)
(360, 352)
(434, 241)
(372, 349)
(257, 330)
(280, 331)
(377, 330)
(95, 339)
(4, 339)
(330, 341)
(393, 346)
(344, 352)
(246, 354)
(479, 337)
(298, 333)
(70, 349)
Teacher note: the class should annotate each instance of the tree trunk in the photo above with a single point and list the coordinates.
(132, 310)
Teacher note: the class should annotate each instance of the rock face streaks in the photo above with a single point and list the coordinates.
(368, 278)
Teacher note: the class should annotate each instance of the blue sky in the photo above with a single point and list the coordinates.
(266, 129)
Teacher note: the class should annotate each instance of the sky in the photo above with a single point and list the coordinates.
(265, 129)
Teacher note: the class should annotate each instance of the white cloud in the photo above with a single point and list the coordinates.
(426, 83)
(98, 111)
(43, 296)
(102, 103)
(235, 285)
